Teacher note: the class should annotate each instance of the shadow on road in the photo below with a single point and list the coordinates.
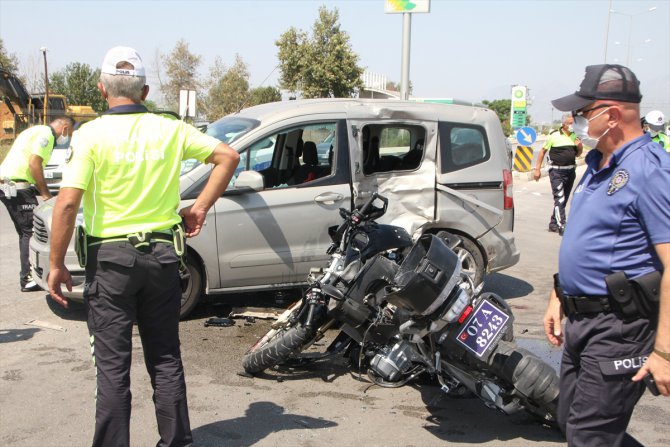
(507, 286)
(12, 335)
(260, 420)
(452, 420)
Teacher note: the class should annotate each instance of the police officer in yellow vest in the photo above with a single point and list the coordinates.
(22, 177)
(125, 165)
(563, 147)
(655, 122)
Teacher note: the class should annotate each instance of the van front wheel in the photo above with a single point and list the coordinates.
(192, 288)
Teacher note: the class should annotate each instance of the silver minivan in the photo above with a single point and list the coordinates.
(443, 167)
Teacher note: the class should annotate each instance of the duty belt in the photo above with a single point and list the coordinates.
(139, 239)
(590, 304)
(175, 236)
(562, 167)
(10, 186)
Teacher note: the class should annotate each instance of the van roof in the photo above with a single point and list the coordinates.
(369, 109)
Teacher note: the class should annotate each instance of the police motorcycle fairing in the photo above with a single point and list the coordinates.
(407, 309)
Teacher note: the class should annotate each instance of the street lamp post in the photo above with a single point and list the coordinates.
(630, 26)
(46, 85)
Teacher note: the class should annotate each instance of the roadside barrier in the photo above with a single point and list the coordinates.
(523, 158)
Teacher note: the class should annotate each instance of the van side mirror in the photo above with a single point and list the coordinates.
(249, 180)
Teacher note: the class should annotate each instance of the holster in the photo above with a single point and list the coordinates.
(635, 298)
(80, 245)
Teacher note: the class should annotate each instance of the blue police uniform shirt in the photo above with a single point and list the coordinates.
(618, 214)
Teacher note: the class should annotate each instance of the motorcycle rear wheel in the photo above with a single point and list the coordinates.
(277, 349)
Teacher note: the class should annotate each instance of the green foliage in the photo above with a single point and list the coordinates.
(8, 61)
(320, 66)
(151, 105)
(78, 82)
(227, 89)
(502, 107)
(262, 95)
(181, 69)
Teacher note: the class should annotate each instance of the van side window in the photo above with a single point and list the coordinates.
(294, 156)
(392, 148)
(462, 146)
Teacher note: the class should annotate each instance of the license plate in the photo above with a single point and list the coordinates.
(482, 328)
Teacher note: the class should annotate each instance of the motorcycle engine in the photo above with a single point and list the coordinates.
(391, 362)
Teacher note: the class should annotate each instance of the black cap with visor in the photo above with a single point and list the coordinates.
(604, 81)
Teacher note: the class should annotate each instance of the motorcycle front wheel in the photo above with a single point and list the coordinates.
(277, 349)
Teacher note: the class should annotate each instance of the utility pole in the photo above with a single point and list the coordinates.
(46, 86)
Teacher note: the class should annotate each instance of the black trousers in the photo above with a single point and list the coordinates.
(124, 285)
(20, 210)
(597, 396)
(561, 181)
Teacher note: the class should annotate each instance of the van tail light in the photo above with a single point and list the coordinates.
(508, 189)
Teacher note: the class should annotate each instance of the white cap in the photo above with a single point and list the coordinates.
(122, 54)
(655, 119)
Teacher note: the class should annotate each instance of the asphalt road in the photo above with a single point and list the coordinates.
(47, 380)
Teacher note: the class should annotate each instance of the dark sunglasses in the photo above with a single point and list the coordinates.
(582, 112)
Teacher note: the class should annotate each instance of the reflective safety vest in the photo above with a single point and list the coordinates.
(128, 162)
(663, 140)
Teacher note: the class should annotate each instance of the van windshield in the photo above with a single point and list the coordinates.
(229, 129)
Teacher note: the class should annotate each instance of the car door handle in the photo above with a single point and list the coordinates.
(329, 198)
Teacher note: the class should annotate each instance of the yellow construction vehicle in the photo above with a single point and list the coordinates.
(20, 110)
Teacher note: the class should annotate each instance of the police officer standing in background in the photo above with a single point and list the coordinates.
(563, 147)
(655, 122)
(20, 173)
(126, 166)
(613, 262)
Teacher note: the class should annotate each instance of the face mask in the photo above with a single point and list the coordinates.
(63, 140)
(581, 129)
(570, 128)
(653, 133)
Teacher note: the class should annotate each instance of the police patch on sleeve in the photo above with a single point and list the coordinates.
(44, 142)
(618, 181)
(68, 154)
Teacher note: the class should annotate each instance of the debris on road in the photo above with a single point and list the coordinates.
(220, 322)
(249, 312)
(45, 325)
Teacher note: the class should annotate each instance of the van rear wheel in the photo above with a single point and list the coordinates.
(472, 261)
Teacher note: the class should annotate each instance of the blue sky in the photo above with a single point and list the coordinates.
(470, 50)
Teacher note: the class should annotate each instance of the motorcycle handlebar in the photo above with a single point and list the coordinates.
(362, 213)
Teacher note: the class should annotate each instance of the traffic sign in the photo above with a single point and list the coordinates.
(526, 136)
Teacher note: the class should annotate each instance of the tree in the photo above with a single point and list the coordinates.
(503, 107)
(78, 82)
(8, 61)
(228, 88)
(262, 95)
(181, 67)
(322, 66)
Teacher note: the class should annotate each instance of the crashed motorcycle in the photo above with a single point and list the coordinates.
(406, 309)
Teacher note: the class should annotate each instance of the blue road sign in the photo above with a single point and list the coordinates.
(526, 136)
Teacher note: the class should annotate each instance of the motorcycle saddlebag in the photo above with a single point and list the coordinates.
(426, 277)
